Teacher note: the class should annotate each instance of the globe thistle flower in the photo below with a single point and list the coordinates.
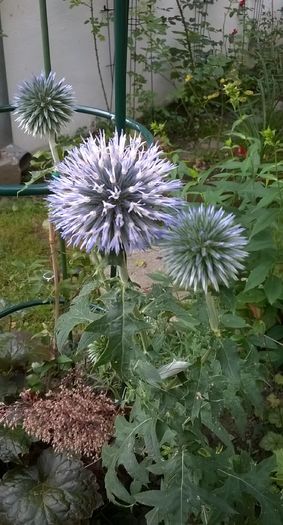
(43, 105)
(112, 195)
(205, 248)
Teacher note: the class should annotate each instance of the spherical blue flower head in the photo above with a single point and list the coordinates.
(43, 105)
(204, 248)
(113, 196)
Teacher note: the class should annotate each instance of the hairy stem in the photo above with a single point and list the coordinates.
(123, 272)
(53, 246)
(212, 313)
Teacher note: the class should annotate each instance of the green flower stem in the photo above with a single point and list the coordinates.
(54, 262)
(53, 149)
(53, 246)
(212, 313)
(96, 260)
(123, 272)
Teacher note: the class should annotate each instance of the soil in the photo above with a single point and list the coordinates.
(142, 264)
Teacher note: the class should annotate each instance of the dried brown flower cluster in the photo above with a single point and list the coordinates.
(74, 419)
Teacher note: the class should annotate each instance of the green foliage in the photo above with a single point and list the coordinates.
(199, 436)
(187, 430)
(55, 490)
(272, 441)
(17, 351)
(42, 374)
(13, 443)
(24, 260)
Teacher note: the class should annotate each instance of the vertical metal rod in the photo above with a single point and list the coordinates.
(121, 20)
(121, 16)
(47, 68)
(45, 36)
(5, 122)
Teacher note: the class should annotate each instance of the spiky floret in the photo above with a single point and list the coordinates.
(43, 105)
(204, 248)
(113, 196)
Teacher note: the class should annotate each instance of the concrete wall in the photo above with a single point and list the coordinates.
(72, 51)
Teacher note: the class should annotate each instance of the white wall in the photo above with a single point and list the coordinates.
(72, 52)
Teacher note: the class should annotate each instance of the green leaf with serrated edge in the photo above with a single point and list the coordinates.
(228, 355)
(272, 441)
(37, 175)
(254, 296)
(151, 441)
(266, 219)
(233, 403)
(256, 484)
(120, 325)
(161, 299)
(279, 466)
(275, 417)
(122, 452)
(180, 492)
(251, 389)
(13, 443)
(56, 490)
(80, 312)
(233, 321)
(258, 274)
(160, 277)
(217, 428)
(263, 341)
(198, 388)
(271, 195)
(153, 517)
(278, 378)
(262, 241)
(273, 288)
(146, 372)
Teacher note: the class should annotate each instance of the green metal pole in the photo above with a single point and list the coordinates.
(5, 121)
(47, 67)
(121, 16)
(45, 36)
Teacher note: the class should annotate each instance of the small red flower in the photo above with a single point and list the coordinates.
(240, 151)
(234, 32)
(242, 3)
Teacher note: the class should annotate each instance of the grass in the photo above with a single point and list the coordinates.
(24, 258)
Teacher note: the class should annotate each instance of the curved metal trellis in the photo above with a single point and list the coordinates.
(121, 12)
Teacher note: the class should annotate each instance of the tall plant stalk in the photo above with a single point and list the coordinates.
(53, 244)
(94, 38)
(212, 312)
(187, 35)
(96, 26)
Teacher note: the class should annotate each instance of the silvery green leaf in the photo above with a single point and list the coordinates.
(172, 369)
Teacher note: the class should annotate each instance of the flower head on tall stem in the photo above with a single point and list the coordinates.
(113, 195)
(43, 105)
(204, 248)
